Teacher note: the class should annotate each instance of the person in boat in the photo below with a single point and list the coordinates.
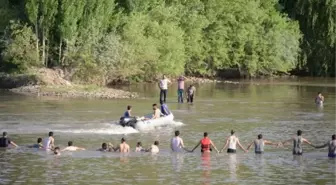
(139, 147)
(70, 147)
(57, 151)
(319, 99)
(154, 148)
(206, 144)
(38, 144)
(297, 143)
(103, 148)
(123, 147)
(5, 141)
(232, 141)
(157, 112)
(176, 143)
(191, 93)
(331, 147)
(259, 144)
(49, 142)
(164, 109)
(128, 114)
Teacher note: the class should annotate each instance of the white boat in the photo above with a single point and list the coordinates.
(146, 121)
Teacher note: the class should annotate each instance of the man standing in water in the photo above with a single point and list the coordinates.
(176, 143)
(319, 99)
(206, 144)
(49, 142)
(297, 143)
(163, 85)
(259, 144)
(154, 148)
(5, 141)
(191, 93)
(180, 89)
(232, 141)
(331, 146)
(123, 147)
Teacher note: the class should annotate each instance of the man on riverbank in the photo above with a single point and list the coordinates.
(163, 85)
(180, 89)
(5, 141)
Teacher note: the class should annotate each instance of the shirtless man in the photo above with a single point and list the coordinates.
(154, 148)
(72, 148)
(157, 112)
(49, 142)
(123, 147)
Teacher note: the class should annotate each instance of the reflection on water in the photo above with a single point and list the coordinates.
(276, 111)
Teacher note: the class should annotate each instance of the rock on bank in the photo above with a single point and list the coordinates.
(48, 82)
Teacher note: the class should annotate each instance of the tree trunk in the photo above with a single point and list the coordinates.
(37, 42)
(60, 53)
(43, 48)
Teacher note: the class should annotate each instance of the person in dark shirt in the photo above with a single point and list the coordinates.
(5, 141)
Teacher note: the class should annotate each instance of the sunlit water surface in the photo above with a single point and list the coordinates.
(276, 109)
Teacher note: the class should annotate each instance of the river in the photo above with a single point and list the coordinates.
(277, 109)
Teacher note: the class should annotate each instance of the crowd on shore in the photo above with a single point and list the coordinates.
(177, 145)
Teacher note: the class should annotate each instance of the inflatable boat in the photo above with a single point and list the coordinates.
(146, 120)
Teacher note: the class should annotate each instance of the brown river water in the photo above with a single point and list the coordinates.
(276, 109)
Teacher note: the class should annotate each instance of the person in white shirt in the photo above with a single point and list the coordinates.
(72, 148)
(176, 143)
(49, 142)
(163, 85)
(232, 141)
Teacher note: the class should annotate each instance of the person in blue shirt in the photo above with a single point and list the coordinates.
(164, 109)
(127, 114)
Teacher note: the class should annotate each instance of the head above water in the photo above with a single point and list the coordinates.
(177, 133)
(104, 146)
(39, 140)
(299, 132)
(232, 132)
(57, 150)
(156, 143)
(4, 134)
(319, 93)
(123, 140)
(70, 143)
(260, 136)
(154, 106)
(139, 144)
(129, 107)
(333, 137)
(51, 134)
(205, 134)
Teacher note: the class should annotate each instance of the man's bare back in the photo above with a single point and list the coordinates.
(124, 148)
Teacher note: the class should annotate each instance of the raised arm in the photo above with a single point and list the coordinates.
(225, 145)
(306, 141)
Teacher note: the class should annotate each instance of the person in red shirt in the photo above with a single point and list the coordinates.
(206, 144)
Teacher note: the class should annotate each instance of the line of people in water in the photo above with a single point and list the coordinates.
(189, 93)
(177, 145)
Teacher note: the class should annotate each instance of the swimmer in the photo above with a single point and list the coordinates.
(123, 147)
(38, 144)
(5, 141)
(206, 144)
(70, 147)
(57, 151)
(319, 99)
(232, 142)
(259, 144)
(139, 147)
(49, 142)
(297, 143)
(154, 148)
(331, 146)
(176, 143)
(103, 148)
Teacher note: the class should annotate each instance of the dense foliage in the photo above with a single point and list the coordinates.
(318, 25)
(105, 40)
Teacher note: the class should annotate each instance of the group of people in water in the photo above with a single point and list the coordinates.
(189, 93)
(177, 145)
